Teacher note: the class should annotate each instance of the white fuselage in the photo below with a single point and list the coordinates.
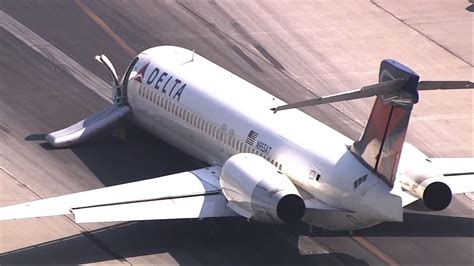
(212, 114)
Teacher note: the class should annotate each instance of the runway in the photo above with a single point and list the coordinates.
(294, 50)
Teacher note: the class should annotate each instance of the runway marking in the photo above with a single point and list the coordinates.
(53, 54)
(104, 26)
(374, 250)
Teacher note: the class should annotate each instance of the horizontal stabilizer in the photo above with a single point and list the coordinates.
(88, 127)
(194, 194)
(445, 85)
(382, 88)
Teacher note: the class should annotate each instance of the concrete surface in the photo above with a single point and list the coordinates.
(294, 50)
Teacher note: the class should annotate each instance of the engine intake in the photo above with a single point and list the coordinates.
(437, 196)
(290, 208)
(256, 189)
(421, 177)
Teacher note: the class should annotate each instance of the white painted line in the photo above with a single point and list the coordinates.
(46, 49)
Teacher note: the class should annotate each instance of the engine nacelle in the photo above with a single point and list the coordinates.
(256, 189)
(424, 180)
(435, 193)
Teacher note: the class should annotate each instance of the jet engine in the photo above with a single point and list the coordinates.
(423, 179)
(256, 190)
(435, 193)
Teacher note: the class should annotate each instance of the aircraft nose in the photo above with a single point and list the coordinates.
(381, 205)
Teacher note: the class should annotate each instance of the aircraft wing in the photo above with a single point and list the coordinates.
(194, 194)
(458, 173)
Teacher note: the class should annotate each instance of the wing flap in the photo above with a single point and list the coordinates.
(188, 194)
(88, 127)
(213, 205)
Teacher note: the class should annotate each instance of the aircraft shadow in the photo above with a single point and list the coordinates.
(138, 156)
(415, 225)
(208, 242)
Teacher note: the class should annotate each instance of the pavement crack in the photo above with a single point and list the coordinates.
(421, 33)
(20, 182)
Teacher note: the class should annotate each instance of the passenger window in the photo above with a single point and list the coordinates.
(280, 167)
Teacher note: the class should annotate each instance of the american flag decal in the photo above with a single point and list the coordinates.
(251, 138)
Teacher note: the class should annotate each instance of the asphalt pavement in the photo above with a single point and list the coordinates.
(294, 50)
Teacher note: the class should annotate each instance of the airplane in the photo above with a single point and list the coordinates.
(268, 161)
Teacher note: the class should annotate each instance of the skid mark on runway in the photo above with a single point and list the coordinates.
(56, 56)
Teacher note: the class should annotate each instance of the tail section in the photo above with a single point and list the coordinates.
(381, 143)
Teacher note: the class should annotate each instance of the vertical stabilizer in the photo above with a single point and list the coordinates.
(381, 143)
